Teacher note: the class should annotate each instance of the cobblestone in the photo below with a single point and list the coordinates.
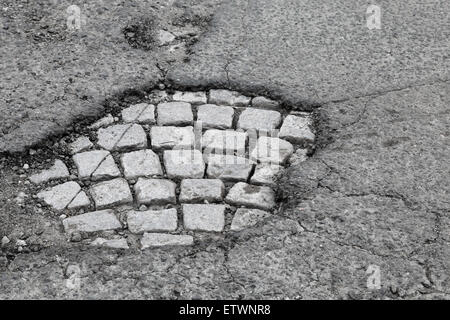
(200, 190)
(182, 164)
(243, 194)
(142, 163)
(92, 222)
(297, 129)
(215, 117)
(140, 113)
(80, 201)
(194, 98)
(152, 220)
(120, 243)
(96, 164)
(155, 191)
(273, 150)
(60, 196)
(229, 167)
(103, 122)
(265, 174)
(204, 217)
(171, 137)
(152, 240)
(246, 218)
(57, 171)
(175, 114)
(227, 140)
(81, 144)
(258, 119)
(264, 103)
(121, 137)
(228, 98)
(111, 193)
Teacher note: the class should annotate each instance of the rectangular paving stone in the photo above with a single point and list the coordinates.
(142, 163)
(143, 113)
(245, 218)
(227, 140)
(265, 173)
(92, 222)
(204, 217)
(243, 194)
(182, 164)
(96, 165)
(81, 144)
(120, 243)
(170, 137)
(229, 167)
(264, 103)
(215, 117)
(152, 220)
(297, 129)
(228, 98)
(259, 119)
(194, 98)
(61, 195)
(153, 240)
(122, 137)
(57, 171)
(155, 191)
(175, 114)
(111, 193)
(272, 150)
(200, 190)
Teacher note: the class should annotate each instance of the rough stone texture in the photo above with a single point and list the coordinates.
(204, 217)
(120, 243)
(299, 156)
(152, 220)
(200, 190)
(122, 136)
(227, 140)
(155, 191)
(81, 144)
(229, 167)
(81, 200)
(297, 129)
(265, 173)
(96, 164)
(194, 98)
(216, 117)
(272, 150)
(57, 171)
(246, 218)
(142, 163)
(264, 103)
(228, 98)
(60, 196)
(175, 114)
(152, 240)
(182, 164)
(252, 118)
(103, 122)
(139, 113)
(111, 193)
(171, 137)
(243, 194)
(92, 221)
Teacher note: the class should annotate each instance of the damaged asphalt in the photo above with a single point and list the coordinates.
(375, 193)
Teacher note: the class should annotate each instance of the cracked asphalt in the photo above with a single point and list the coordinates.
(375, 193)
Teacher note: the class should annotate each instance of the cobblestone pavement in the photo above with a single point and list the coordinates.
(175, 165)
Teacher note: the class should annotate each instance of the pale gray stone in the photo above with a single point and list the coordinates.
(264, 103)
(81, 144)
(171, 137)
(175, 114)
(122, 136)
(299, 156)
(243, 194)
(246, 218)
(297, 129)
(227, 140)
(152, 220)
(155, 191)
(258, 119)
(165, 37)
(184, 164)
(194, 98)
(80, 201)
(92, 222)
(57, 171)
(142, 163)
(228, 167)
(96, 164)
(111, 193)
(152, 240)
(60, 196)
(204, 217)
(265, 173)
(228, 98)
(139, 113)
(5, 241)
(200, 190)
(272, 150)
(120, 243)
(215, 117)
(103, 122)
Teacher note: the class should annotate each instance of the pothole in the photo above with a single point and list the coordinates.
(172, 167)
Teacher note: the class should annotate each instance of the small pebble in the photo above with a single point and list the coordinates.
(5, 241)
(26, 166)
(21, 243)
